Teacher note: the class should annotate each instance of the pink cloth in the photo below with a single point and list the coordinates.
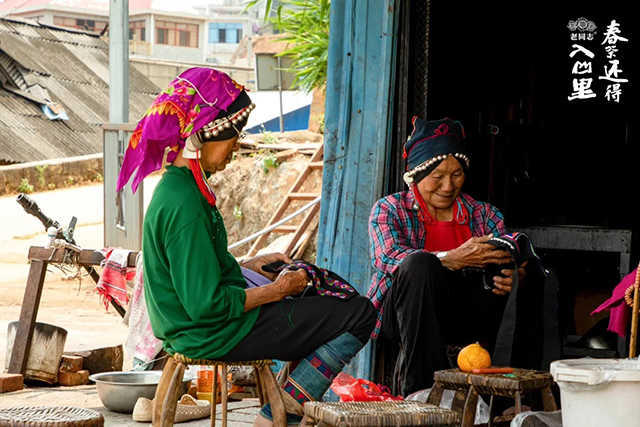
(620, 311)
(114, 276)
(141, 343)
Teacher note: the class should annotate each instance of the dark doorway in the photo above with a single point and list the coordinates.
(556, 162)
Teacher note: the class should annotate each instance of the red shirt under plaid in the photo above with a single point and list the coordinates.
(395, 232)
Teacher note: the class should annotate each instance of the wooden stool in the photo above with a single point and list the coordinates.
(380, 414)
(168, 391)
(37, 416)
(514, 385)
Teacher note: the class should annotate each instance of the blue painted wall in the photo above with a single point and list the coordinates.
(357, 136)
(294, 120)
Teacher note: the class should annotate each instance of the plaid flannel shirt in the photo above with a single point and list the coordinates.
(395, 232)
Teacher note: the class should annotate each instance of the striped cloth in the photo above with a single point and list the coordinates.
(113, 278)
(395, 232)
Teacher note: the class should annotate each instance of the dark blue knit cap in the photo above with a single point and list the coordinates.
(430, 140)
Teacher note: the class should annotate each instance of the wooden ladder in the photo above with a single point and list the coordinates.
(294, 195)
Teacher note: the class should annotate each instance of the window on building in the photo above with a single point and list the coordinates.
(183, 38)
(81, 24)
(220, 32)
(137, 30)
(176, 34)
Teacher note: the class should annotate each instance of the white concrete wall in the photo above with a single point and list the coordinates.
(177, 53)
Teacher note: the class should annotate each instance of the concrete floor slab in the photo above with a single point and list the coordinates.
(240, 414)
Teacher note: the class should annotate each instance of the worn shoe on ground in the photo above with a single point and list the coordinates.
(188, 409)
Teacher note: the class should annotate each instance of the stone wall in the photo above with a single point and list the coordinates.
(50, 174)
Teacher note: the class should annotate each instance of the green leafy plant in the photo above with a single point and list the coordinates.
(321, 124)
(40, 175)
(237, 213)
(25, 187)
(305, 24)
(70, 181)
(268, 137)
(269, 161)
(51, 186)
(99, 177)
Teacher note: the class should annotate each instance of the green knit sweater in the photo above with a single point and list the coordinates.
(193, 286)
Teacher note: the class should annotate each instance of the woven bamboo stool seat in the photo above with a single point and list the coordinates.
(520, 382)
(380, 414)
(49, 416)
(168, 391)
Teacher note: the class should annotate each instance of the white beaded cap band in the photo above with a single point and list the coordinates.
(220, 125)
(408, 176)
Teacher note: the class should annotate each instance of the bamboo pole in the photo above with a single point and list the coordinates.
(634, 315)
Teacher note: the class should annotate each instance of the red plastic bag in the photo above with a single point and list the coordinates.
(358, 390)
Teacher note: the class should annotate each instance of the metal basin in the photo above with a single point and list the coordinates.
(119, 391)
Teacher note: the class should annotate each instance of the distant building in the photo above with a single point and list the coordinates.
(184, 31)
(54, 92)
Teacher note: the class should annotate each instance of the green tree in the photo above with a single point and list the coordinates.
(305, 25)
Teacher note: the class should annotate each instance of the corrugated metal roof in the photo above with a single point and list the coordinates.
(74, 69)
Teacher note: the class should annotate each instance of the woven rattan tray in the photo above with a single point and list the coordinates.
(381, 414)
(49, 416)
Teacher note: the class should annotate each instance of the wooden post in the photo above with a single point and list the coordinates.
(469, 412)
(548, 401)
(214, 395)
(436, 394)
(224, 393)
(28, 314)
(162, 390)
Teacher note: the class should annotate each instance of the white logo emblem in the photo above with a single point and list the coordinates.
(582, 24)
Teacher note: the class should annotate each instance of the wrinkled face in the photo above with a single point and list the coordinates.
(440, 188)
(216, 155)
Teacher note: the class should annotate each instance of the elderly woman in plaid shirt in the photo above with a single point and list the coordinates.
(428, 245)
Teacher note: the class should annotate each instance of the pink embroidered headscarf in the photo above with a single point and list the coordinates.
(187, 104)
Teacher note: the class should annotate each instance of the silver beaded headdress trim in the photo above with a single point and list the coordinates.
(218, 126)
(408, 176)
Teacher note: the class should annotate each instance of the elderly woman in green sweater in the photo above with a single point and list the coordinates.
(201, 302)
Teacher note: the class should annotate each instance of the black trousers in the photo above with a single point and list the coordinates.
(293, 328)
(429, 307)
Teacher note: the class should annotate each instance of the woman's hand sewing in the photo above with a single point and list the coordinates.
(504, 284)
(292, 282)
(288, 282)
(256, 263)
(475, 252)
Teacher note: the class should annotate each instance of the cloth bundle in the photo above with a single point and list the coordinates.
(141, 344)
(617, 307)
(112, 284)
(521, 249)
(324, 282)
(528, 336)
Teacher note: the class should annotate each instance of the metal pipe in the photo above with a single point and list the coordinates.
(280, 91)
(119, 61)
(277, 224)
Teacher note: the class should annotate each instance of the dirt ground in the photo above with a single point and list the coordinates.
(69, 304)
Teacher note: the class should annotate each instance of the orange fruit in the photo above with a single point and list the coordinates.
(473, 356)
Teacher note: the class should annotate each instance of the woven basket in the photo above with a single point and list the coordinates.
(381, 414)
(49, 416)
